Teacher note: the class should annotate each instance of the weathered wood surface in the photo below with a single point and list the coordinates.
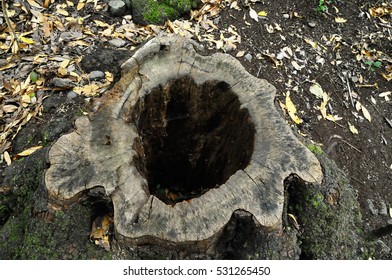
(104, 146)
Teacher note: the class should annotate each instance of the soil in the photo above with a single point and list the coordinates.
(338, 65)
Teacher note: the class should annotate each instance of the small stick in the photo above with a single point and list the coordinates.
(349, 91)
(7, 20)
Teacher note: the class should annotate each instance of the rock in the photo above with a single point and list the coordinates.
(117, 42)
(157, 12)
(383, 209)
(96, 75)
(286, 16)
(71, 94)
(312, 24)
(117, 8)
(372, 208)
(62, 82)
(248, 57)
(381, 247)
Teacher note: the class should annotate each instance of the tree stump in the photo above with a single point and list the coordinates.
(180, 143)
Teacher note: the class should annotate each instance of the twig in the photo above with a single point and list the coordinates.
(349, 91)
(7, 20)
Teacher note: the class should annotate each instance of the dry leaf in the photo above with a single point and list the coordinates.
(296, 65)
(34, 4)
(385, 95)
(62, 71)
(366, 114)
(316, 90)
(352, 128)
(7, 158)
(292, 110)
(310, 42)
(62, 12)
(9, 108)
(340, 20)
(29, 151)
(390, 212)
(80, 6)
(253, 14)
(240, 54)
(64, 63)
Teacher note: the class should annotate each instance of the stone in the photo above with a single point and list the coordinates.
(117, 8)
(71, 94)
(179, 144)
(117, 42)
(248, 57)
(383, 209)
(372, 208)
(96, 75)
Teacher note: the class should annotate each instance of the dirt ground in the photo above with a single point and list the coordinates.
(342, 54)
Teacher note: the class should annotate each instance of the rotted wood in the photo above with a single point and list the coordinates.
(180, 143)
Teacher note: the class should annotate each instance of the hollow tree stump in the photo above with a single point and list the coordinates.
(180, 143)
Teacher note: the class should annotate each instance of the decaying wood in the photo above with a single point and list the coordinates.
(112, 147)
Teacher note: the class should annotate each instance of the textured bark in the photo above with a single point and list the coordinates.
(204, 116)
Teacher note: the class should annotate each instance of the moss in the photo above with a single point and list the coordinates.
(157, 12)
(315, 149)
(329, 230)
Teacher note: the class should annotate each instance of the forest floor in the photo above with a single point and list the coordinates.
(330, 62)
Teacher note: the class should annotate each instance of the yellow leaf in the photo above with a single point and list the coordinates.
(64, 63)
(101, 23)
(62, 71)
(262, 13)
(26, 40)
(29, 151)
(352, 128)
(34, 4)
(292, 110)
(340, 20)
(7, 158)
(366, 114)
(80, 6)
(62, 12)
(109, 76)
(390, 212)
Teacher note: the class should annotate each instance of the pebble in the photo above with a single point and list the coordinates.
(248, 57)
(372, 209)
(71, 94)
(382, 247)
(383, 209)
(312, 24)
(286, 16)
(354, 79)
(117, 8)
(96, 75)
(62, 83)
(117, 42)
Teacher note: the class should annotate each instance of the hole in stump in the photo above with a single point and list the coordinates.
(191, 138)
